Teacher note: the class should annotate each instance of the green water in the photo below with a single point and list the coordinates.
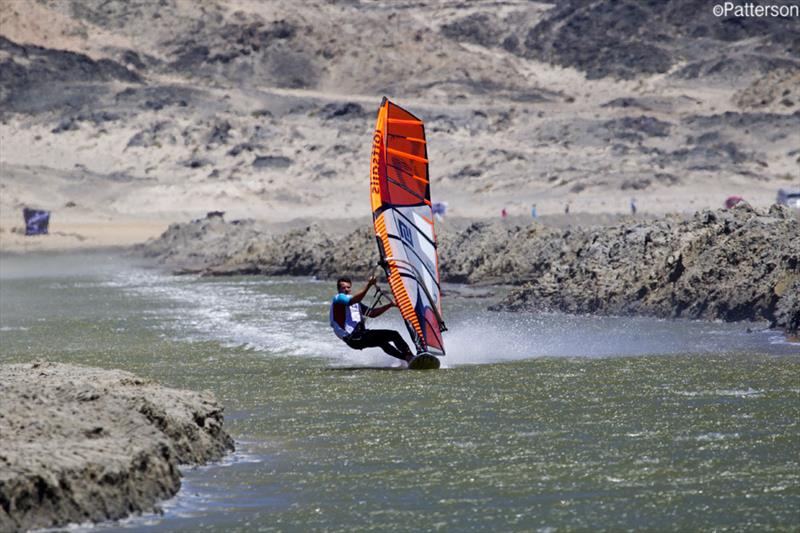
(539, 423)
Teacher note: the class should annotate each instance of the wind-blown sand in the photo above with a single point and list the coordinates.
(84, 444)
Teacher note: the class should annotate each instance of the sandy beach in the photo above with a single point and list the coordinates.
(134, 126)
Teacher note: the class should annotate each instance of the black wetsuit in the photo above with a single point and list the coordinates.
(348, 324)
(383, 338)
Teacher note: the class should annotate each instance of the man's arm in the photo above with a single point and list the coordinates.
(357, 297)
(378, 311)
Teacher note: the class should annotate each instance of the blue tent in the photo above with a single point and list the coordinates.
(36, 221)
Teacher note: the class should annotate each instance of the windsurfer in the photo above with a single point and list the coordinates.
(347, 322)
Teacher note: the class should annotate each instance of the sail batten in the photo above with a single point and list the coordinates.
(403, 220)
(406, 154)
(401, 185)
(414, 176)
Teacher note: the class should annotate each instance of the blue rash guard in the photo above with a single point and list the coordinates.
(345, 316)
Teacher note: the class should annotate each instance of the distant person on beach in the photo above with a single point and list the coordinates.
(533, 211)
(731, 201)
(566, 209)
(633, 206)
(347, 321)
(503, 213)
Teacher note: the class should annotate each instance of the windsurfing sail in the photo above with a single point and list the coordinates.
(401, 213)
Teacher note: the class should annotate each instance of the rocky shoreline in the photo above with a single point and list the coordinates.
(737, 264)
(82, 444)
(728, 265)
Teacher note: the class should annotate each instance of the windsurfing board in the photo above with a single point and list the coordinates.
(424, 361)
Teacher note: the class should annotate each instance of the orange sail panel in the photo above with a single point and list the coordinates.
(401, 212)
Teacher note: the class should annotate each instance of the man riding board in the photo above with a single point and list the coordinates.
(347, 322)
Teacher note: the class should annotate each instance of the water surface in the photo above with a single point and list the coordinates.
(538, 423)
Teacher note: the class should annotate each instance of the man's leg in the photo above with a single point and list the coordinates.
(382, 338)
(398, 341)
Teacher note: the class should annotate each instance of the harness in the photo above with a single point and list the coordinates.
(362, 325)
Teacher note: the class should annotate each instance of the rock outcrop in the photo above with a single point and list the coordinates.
(82, 444)
(626, 39)
(737, 264)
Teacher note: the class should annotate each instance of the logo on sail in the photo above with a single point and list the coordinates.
(405, 233)
(375, 173)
